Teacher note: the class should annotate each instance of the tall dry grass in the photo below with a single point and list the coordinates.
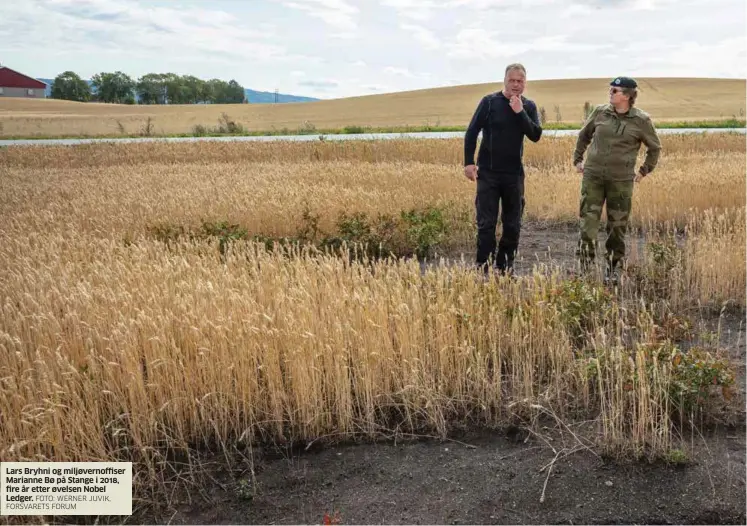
(115, 355)
(701, 265)
(550, 152)
(263, 186)
(115, 345)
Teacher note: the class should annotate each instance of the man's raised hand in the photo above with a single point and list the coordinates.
(516, 104)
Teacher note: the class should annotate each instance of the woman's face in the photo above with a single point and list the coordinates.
(617, 96)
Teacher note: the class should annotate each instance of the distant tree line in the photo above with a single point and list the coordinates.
(153, 88)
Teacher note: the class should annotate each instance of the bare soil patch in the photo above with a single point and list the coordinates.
(497, 478)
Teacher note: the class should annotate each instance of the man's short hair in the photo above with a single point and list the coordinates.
(516, 66)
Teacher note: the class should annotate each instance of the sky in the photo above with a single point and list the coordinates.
(343, 48)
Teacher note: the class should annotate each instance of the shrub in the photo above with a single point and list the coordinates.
(425, 229)
(579, 305)
(227, 125)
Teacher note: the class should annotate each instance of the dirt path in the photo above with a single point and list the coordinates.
(552, 245)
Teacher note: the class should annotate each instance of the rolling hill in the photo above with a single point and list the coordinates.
(561, 101)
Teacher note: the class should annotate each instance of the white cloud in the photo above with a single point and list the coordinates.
(376, 88)
(577, 11)
(561, 43)
(643, 5)
(129, 27)
(401, 72)
(481, 5)
(420, 10)
(724, 58)
(343, 35)
(480, 43)
(424, 36)
(355, 47)
(322, 84)
(335, 13)
(476, 43)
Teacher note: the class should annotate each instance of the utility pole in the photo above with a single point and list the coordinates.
(276, 95)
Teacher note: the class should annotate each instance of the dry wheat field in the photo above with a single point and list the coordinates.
(162, 300)
(665, 99)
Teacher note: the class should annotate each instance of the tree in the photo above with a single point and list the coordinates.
(236, 94)
(217, 89)
(223, 92)
(205, 92)
(170, 88)
(114, 87)
(69, 86)
(193, 89)
(176, 89)
(151, 89)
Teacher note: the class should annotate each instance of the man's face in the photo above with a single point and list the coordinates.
(514, 82)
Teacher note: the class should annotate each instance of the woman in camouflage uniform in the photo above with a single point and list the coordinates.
(614, 133)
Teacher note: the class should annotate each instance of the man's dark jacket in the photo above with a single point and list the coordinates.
(503, 132)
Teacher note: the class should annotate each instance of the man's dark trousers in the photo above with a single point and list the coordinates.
(505, 191)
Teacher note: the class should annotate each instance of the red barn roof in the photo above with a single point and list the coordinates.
(12, 79)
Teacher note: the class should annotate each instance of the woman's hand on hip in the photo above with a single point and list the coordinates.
(640, 175)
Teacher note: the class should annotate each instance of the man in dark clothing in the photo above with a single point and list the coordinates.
(504, 118)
